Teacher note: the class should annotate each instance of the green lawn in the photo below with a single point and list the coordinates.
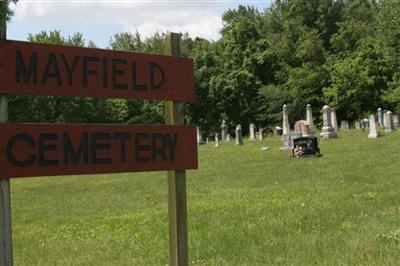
(245, 207)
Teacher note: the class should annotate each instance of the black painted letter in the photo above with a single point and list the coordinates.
(10, 145)
(172, 144)
(43, 147)
(94, 147)
(52, 61)
(140, 147)
(117, 72)
(154, 86)
(70, 69)
(86, 71)
(122, 137)
(20, 68)
(135, 85)
(83, 149)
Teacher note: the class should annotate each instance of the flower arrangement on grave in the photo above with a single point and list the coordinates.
(298, 151)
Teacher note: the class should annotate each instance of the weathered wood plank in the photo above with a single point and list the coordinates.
(177, 206)
(63, 149)
(43, 69)
(6, 249)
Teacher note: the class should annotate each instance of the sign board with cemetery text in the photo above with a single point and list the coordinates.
(61, 149)
(42, 69)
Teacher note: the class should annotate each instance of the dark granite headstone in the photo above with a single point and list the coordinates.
(309, 146)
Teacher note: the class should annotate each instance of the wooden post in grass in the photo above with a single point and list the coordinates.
(5, 204)
(178, 236)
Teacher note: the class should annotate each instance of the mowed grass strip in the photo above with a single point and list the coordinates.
(245, 207)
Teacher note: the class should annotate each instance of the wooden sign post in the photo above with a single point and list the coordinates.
(62, 149)
(6, 258)
(177, 209)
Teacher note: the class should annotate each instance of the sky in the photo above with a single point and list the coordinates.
(99, 20)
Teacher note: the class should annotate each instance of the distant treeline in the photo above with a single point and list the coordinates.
(344, 53)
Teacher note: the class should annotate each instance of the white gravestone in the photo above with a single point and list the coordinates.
(334, 122)
(216, 140)
(385, 118)
(327, 131)
(285, 121)
(224, 130)
(357, 124)
(344, 125)
(260, 134)
(396, 121)
(199, 137)
(389, 122)
(373, 128)
(238, 135)
(310, 119)
(252, 129)
(380, 117)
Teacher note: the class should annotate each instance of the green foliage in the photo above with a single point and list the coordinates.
(297, 52)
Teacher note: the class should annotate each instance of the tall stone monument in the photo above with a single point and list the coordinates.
(327, 131)
(252, 130)
(285, 121)
(224, 130)
(389, 122)
(238, 135)
(380, 117)
(334, 122)
(310, 119)
(384, 118)
(373, 128)
(199, 137)
(216, 140)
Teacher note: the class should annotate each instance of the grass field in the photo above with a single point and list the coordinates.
(245, 207)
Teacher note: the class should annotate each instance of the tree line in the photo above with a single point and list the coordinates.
(344, 53)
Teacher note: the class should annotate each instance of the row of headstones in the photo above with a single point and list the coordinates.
(225, 136)
(385, 119)
(304, 128)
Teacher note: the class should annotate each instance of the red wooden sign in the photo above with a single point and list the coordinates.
(41, 69)
(55, 149)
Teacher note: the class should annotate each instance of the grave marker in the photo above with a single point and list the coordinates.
(252, 130)
(373, 127)
(344, 125)
(303, 127)
(238, 135)
(285, 121)
(216, 140)
(310, 119)
(380, 117)
(357, 124)
(389, 122)
(327, 129)
(334, 122)
(224, 130)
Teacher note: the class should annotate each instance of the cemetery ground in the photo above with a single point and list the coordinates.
(245, 207)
